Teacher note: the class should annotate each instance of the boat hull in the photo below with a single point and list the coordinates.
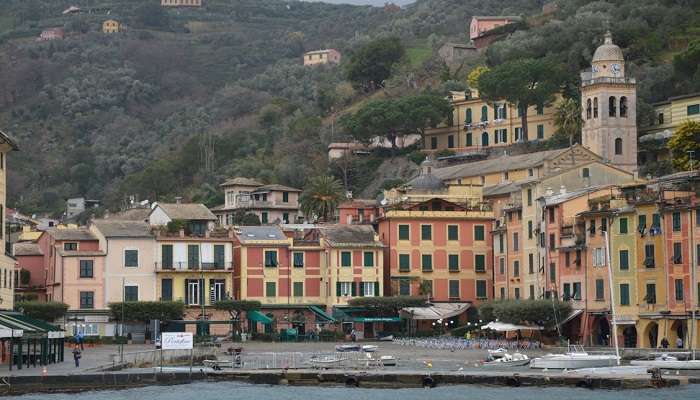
(668, 364)
(572, 362)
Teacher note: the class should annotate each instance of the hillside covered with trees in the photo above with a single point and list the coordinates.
(185, 98)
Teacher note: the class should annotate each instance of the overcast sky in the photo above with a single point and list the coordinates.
(370, 2)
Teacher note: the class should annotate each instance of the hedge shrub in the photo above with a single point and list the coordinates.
(43, 310)
(540, 312)
(144, 311)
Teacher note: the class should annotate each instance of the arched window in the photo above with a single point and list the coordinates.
(618, 146)
(484, 113)
(588, 109)
(469, 116)
(623, 107)
(595, 107)
(485, 139)
(612, 106)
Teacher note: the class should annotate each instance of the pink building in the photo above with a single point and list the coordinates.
(481, 24)
(358, 211)
(31, 284)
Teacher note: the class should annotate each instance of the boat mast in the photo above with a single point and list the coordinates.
(612, 293)
(694, 298)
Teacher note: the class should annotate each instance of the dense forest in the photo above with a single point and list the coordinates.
(185, 98)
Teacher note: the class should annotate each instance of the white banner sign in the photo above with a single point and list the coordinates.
(177, 340)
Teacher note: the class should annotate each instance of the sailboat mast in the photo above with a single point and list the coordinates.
(612, 294)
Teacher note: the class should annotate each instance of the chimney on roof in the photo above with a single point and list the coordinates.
(549, 191)
(178, 200)
(562, 189)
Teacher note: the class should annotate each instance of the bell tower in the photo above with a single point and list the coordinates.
(609, 106)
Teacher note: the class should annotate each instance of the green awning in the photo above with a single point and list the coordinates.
(321, 315)
(257, 316)
(377, 319)
(38, 323)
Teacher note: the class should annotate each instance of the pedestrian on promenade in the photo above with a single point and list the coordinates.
(664, 343)
(77, 354)
(79, 340)
(679, 343)
(353, 335)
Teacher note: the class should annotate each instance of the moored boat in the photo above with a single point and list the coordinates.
(575, 358)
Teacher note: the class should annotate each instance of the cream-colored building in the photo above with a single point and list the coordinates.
(325, 56)
(7, 264)
(129, 271)
(480, 125)
(110, 26)
(271, 203)
(669, 115)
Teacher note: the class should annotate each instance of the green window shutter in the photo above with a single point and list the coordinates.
(337, 289)
(376, 288)
(404, 262)
(298, 289)
(166, 292)
(453, 262)
(426, 232)
(427, 262)
(454, 289)
(167, 255)
(599, 289)
(623, 226)
(219, 255)
(656, 220)
(353, 288)
(479, 232)
(540, 131)
(624, 294)
(469, 116)
(131, 258)
(187, 292)
(299, 259)
(624, 259)
(452, 232)
(404, 232)
(192, 256)
(202, 290)
(480, 289)
(480, 263)
(642, 222)
(345, 259)
(469, 139)
(361, 287)
(369, 259)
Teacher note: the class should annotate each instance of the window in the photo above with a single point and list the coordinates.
(166, 293)
(298, 289)
(404, 262)
(426, 232)
(612, 106)
(591, 228)
(285, 217)
(285, 197)
(567, 291)
(345, 259)
(552, 242)
(404, 287)
(618, 146)
(603, 224)
(656, 221)
(368, 259)
(501, 265)
(531, 292)
(676, 221)
(450, 141)
(530, 263)
(529, 229)
(501, 248)
(529, 197)
(217, 290)
(369, 289)
(484, 114)
(131, 293)
(270, 289)
(345, 289)
(516, 293)
(192, 256)
(271, 258)
(697, 217)
(452, 232)
(540, 131)
(623, 226)
(516, 269)
(503, 293)
(453, 289)
(598, 257)
(264, 218)
(485, 139)
(480, 263)
(481, 289)
(551, 215)
(518, 134)
(693, 109)
(70, 246)
(567, 259)
(585, 173)
(193, 292)
(649, 256)
(661, 118)
(86, 268)
(87, 300)
(298, 259)
(679, 289)
(516, 242)
(479, 232)
(588, 109)
(433, 143)
(166, 252)
(624, 260)
(599, 289)
(641, 223)
(552, 272)
(131, 258)
(427, 262)
(595, 107)
(697, 254)
(577, 291)
(624, 294)
(219, 256)
(651, 293)
(453, 262)
(469, 139)
(404, 232)
(623, 107)
(677, 253)
(468, 117)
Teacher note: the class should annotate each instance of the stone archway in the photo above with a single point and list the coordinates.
(679, 329)
(601, 331)
(651, 335)
(629, 336)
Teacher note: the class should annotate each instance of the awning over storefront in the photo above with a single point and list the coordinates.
(503, 327)
(435, 311)
(572, 315)
(257, 316)
(321, 315)
(53, 331)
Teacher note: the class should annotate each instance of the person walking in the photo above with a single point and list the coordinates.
(77, 354)
(664, 343)
(80, 340)
(679, 343)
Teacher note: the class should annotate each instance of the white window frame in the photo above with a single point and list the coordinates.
(138, 257)
(368, 289)
(138, 291)
(193, 288)
(346, 289)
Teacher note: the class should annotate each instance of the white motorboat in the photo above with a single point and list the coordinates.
(509, 360)
(388, 361)
(342, 348)
(369, 348)
(575, 358)
(498, 353)
(666, 361)
(327, 361)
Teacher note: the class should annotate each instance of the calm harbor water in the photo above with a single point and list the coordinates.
(228, 390)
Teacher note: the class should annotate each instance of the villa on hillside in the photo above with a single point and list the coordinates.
(271, 203)
(325, 56)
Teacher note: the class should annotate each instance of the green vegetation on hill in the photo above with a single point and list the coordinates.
(184, 98)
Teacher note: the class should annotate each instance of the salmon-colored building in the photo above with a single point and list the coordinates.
(359, 211)
(31, 284)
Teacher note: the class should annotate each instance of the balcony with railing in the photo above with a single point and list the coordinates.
(608, 80)
(189, 267)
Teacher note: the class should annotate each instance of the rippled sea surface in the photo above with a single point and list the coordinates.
(230, 390)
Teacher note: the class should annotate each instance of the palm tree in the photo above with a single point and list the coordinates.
(321, 197)
(567, 118)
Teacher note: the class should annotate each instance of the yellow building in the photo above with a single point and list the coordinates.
(7, 264)
(669, 115)
(477, 124)
(110, 26)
